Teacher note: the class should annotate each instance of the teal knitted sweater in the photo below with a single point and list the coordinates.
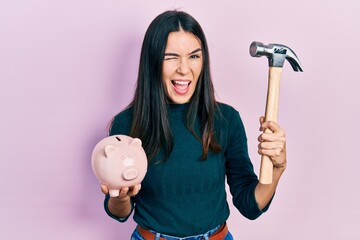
(185, 195)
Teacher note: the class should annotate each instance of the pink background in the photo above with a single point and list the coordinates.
(66, 67)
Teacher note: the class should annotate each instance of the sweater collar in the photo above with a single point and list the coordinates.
(177, 107)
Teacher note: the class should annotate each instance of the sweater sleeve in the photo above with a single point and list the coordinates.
(239, 170)
(118, 127)
(106, 207)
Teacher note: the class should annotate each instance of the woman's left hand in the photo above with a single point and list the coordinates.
(272, 144)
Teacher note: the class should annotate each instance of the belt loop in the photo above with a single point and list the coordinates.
(206, 236)
(157, 237)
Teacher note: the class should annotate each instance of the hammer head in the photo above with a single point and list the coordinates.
(276, 53)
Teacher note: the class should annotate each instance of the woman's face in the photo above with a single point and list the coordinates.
(182, 66)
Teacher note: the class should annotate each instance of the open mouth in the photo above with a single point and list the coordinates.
(181, 86)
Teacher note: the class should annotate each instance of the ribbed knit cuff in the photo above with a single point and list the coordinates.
(257, 212)
(106, 207)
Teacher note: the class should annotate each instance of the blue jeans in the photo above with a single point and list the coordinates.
(136, 236)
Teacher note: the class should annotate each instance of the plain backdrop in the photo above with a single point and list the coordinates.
(67, 67)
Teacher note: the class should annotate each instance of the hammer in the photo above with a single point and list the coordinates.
(276, 54)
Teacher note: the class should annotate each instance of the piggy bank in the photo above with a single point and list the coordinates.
(119, 161)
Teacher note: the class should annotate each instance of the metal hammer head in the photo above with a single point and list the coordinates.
(276, 53)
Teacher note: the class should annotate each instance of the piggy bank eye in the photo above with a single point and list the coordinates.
(130, 155)
(122, 157)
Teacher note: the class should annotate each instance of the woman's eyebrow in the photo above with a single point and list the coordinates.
(177, 55)
(195, 51)
(171, 54)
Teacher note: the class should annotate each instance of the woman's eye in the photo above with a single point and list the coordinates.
(170, 58)
(194, 56)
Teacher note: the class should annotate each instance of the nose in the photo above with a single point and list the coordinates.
(183, 67)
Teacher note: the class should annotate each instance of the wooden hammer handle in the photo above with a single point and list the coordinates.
(271, 113)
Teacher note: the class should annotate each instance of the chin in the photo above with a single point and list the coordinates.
(179, 101)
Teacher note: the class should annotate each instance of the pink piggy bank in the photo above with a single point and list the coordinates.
(119, 161)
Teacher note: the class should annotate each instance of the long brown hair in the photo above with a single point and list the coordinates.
(150, 120)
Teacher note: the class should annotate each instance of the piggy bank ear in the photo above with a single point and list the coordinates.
(135, 142)
(109, 149)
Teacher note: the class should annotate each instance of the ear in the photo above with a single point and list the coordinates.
(135, 142)
(109, 149)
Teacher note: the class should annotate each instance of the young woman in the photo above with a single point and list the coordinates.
(193, 143)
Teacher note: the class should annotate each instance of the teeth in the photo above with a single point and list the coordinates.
(181, 82)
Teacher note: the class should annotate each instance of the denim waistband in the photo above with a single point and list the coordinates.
(196, 237)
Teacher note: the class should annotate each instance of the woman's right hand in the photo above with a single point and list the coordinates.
(124, 193)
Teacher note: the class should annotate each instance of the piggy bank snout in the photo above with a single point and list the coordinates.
(130, 173)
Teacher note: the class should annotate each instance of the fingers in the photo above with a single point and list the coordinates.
(271, 150)
(272, 126)
(135, 190)
(272, 137)
(271, 145)
(273, 133)
(104, 189)
(271, 142)
(124, 192)
(129, 191)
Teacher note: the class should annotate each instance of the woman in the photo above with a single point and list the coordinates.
(192, 142)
